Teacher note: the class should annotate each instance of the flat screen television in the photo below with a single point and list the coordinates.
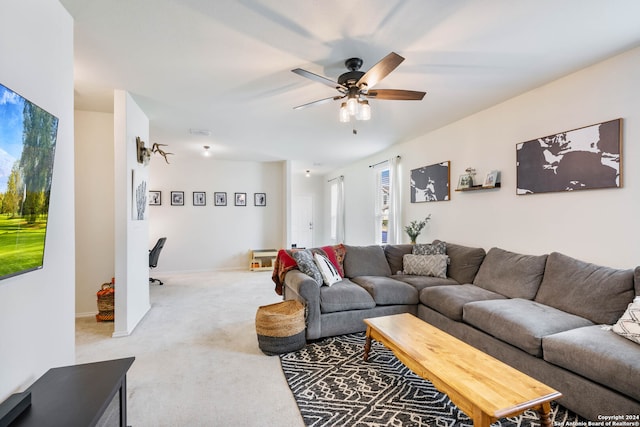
(27, 150)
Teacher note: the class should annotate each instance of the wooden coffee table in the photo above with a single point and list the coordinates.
(481, 386)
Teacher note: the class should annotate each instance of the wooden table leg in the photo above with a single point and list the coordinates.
(545, 414)
(367, 344)
(480, 419)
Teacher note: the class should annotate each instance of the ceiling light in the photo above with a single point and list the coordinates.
(207, 153)
(364, 110)
(307, 173)
(200, 132)
(344, 114)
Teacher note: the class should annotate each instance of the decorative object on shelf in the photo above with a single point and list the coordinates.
(220, 199)
(415, 228)
(155, 198)
(106, 302)
(471, 172)
(199, 198)
(177, 198)
(430, 183)
(491, 180)
(260, 199)
(465, 181)
(240, 199)
(579, 159)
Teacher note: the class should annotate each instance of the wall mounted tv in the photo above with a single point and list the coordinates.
(27, 148)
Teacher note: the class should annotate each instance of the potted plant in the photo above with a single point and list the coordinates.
(415, 227)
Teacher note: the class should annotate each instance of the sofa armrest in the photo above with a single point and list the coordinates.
(298, 286)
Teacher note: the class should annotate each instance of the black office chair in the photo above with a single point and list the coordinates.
(154, 254)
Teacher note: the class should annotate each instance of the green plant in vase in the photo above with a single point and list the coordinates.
(415, 228)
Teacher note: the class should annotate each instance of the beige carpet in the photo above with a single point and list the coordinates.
(197, 356)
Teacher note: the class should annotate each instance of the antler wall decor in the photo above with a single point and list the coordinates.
(144, 153)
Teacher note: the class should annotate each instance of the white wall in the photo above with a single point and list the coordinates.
(37, 308)
(201, 238)
(94, 188)
(599, 226)
(131, 236)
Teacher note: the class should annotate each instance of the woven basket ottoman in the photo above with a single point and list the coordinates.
(281, 327)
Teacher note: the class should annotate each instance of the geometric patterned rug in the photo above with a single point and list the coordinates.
(333, 386)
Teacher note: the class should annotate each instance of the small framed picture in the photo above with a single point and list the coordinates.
(199, 198)
(464, 181)
(260, 199)
(241, 199)
(155, 198)
(220, 199)
(177, 198)
(491, 179)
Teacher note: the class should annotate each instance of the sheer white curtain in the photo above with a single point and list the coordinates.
(340, 222)
(394, 227)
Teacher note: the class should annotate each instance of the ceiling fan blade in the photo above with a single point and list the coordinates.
(380, 70)
(396, 94)
(319, 79)
(318, 102)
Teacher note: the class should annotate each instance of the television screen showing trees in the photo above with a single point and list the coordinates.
(27, 148)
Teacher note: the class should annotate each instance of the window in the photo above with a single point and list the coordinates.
(382, 204)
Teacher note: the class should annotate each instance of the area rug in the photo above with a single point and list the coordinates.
(333, 386)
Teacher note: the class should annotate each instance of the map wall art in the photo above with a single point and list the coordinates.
(580, 159)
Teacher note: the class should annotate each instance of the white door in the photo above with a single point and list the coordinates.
(302, 222)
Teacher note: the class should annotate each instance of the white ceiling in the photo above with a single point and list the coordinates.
(225, 65)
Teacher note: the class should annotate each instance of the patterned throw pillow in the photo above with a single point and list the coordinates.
(426, 265)
(307, 265)
(329, 272)
(439, 248)
(629, 324)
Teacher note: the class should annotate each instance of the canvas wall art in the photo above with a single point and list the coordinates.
(580, 159)
(430, 183)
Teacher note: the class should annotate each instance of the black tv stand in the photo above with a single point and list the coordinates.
(78, 395)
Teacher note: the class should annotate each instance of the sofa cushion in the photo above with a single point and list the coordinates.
(388, 291)
(365, 261)
(636, 279)
(439, 248)
(464, 262)
(344, 295)
(421, 282)
(596, 354)
(449, 300)
(628, 326)
(394, 254)
(306, 264)
(511, 274)
(426, 265)
(328, 271)
(600, 294)
(520, 322)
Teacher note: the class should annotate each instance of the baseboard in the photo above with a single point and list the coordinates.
(87, 314)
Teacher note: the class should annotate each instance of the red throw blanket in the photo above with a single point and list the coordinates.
(285, 262)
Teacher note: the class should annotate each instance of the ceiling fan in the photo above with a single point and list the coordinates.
(356, 86)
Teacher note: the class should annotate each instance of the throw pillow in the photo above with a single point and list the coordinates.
(629, 324)
(307, 265)
(426, 265)
(335, 254)
(439, 248)
(328, 271)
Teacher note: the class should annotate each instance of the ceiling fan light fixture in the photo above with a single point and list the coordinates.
(352, 105)
(344, 113)
(364, 110)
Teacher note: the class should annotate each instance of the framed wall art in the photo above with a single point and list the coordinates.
(430, 183)
(177, 198)
(579, 159)
(240, 199)
(260, 199)
(155, 198)
(199, 198)
(219, 199)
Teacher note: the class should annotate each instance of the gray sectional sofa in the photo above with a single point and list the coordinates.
(546, 315)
